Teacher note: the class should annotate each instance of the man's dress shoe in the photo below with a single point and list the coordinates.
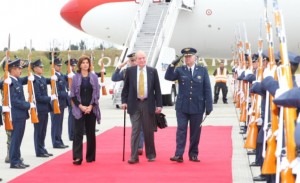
(260, 178)
(59, 147)
(17, 166)
(26, 165)
(151, 159)
(251, 152)
(254, 164)
(42, 156)
(133, 161)
(179, 159)
(49, 154)
(194, 159)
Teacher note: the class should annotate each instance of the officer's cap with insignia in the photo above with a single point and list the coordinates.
(293, 58)
(241, 77)
(131, 55)
(73, 62)
(249, 78)
(188, 51)
(290, 98)
(254, 57)
(11, 64)
(57, 62)
(37, 63)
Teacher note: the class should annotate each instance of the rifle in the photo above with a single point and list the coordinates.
(269, 164)
(102, 75)
(69, 68)
(31, 95)
(6, 92)
(55, 103)
(285, 81)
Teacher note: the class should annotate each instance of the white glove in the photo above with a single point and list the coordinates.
(31, 78)
(248, 71)
(103, 70)
(8, 81)
(53, 97)
(54, 78)
(69, 93)
(259, 121)
(32, 105)
(279, 92)
(70, 75)
(5, 109)
(102, 84)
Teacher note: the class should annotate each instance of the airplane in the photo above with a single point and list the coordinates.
(207, 25)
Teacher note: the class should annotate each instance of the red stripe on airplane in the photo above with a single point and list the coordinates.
(74, 10)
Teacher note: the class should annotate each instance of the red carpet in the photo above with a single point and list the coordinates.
(215, 166)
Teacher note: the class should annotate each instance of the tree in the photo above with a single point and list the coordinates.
(82, 45)
(74, 47)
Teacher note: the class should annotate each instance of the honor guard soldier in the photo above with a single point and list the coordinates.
(221, 76)
(57, 119)
(73, 63)
(19, 111)
(43, 103)
(194, 85)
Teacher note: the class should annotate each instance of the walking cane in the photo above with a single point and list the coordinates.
(124, 134)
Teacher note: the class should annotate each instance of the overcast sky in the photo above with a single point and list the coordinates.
(40, 21)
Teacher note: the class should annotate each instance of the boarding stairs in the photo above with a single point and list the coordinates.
(151, 32)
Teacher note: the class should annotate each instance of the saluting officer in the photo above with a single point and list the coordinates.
(73, 63)
(194, 85)
(43, 103)
(19, 111)
(57, 119)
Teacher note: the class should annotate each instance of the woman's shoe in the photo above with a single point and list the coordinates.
(77, 162)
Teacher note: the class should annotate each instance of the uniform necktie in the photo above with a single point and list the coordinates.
(141, 84)
(191, 72)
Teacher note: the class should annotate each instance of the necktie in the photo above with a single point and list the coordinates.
(141, 84)
(191, 72)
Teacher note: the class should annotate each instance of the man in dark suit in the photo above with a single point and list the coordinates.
(194, 98)
(141, 95)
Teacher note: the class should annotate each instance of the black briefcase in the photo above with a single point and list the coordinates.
(161, 121)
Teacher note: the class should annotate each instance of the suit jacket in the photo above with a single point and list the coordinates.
(194, 95)
(129, 92)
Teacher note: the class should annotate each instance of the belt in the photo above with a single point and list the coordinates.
(139, 99)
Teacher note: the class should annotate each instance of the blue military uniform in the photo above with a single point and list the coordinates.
(57, 119)
(43, 104)
(19, 113)
(193, 99)
(73, 62)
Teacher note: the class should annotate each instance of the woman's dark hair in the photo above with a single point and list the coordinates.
(80, 60)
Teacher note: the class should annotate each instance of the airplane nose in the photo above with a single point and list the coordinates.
(73, 13)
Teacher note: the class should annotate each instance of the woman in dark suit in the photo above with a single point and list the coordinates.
(85, 97)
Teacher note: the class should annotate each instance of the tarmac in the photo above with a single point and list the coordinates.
(222, 115)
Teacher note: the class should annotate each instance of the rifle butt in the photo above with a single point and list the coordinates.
(33, 116)
(103, 90)
(56, 109)
(287, 176)
(243, 114)
(269, 164)
(7, 121)
(251, 136)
